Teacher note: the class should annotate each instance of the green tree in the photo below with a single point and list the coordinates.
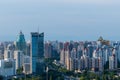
(103, 77)
(50, 77)
(97, 77)
(20, 70)
(82, 78)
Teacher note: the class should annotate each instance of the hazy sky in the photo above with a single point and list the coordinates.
(60, 19)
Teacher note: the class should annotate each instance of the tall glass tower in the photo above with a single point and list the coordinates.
(37, 52)
(21, 43)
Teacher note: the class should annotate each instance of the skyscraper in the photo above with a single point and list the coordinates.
(37, 52)
(21, 43)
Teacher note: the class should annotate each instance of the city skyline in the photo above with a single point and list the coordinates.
(60, 20)
(59, 40)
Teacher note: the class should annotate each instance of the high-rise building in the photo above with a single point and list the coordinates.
(60, 46)
(82, 63)
(21, 43)
(90, 50)
(67, 62)
(19, 57)
(8, 54)
(71, 64)
(62, 57)
(1, 56)
(95, 64)
(106, 55)
(100, 64)
(113, 60)
(26, 65)
(37, 52)
(28, 48)
(118, 53)
(86, 61)
(48, 50)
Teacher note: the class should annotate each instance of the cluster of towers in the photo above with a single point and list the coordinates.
(25, 56)
(79, 56)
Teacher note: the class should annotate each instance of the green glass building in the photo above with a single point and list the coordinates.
(21, 43)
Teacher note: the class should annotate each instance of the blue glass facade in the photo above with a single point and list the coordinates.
(21, 43)
(37, 51)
